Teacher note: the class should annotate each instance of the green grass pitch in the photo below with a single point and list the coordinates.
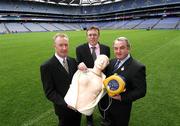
(22, 101)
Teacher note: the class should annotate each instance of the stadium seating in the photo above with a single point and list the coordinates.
(48, 27)
(2, 28)
(132, 24)
(178, 26)
(75, 10)
(148, 23)
(34, 27)
(167, 23)
(16, 27)
(27, 16)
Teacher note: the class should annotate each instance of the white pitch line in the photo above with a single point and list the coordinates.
(31, 122)
(157, 49)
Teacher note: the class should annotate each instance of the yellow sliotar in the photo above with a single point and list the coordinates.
(114, 85)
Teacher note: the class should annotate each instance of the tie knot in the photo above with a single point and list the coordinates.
(93, 48)
(117, 64)
(64, 60)
(118, 61)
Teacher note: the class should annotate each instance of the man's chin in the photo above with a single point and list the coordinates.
(63, 56)
(119, 57)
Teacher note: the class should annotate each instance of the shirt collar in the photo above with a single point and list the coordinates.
(90, 46)
(125, 59)
(60, 58)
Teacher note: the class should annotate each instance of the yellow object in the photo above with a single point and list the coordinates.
(114, 85)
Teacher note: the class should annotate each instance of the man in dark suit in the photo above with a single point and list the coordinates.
(133, 72)
(56, 76)
(88, 52)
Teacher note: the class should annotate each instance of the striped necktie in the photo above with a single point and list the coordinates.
(65, 65)
(93, 53)
(116, 66)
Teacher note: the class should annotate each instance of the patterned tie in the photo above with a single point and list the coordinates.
(94, 53)
(116, 66)
(65, 65)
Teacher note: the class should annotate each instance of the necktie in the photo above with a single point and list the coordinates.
(65, 65)
(94, 53)
(116, 66)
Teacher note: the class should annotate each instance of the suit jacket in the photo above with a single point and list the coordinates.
(135, 78)
(83, 54)
(134, 75)
(56, 80)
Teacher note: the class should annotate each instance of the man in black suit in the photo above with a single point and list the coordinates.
(56, 76)
(87, 53)
(134, 75)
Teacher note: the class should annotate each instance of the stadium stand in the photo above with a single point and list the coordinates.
(148, 23)
(167, 23)
(16, 27)
(31, 16)
(120, 24)
(178, 25)
(48, 27)
(62, 26)
(34, 27)
(2, 28)
(132, 24)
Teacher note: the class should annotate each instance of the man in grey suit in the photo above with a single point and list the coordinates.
(134, 74)
(88, 52)
(56, 76)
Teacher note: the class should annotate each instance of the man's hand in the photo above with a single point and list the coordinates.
(82, 67)
(117, 97)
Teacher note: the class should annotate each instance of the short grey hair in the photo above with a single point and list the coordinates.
(123, 39)
(61, 35)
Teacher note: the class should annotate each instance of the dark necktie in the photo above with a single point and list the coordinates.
(116, 66)
(94, 53)
(65, 65)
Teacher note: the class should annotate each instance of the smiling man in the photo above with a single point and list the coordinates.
(56, 76)
(88, 52)
(135, 77)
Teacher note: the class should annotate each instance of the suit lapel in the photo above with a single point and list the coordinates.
(111, 66)
(87, 51)
(59, 65)
(124, 66)
(102, 51)
(70, 65)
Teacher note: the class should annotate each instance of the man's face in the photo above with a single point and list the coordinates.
(92, 37)
(61, 46)
(120, 49)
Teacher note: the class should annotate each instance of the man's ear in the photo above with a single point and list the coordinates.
(129, 50)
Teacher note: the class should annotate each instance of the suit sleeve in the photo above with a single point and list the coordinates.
(138, 90)
(78, 55)
(108, 52)
(48, 86)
